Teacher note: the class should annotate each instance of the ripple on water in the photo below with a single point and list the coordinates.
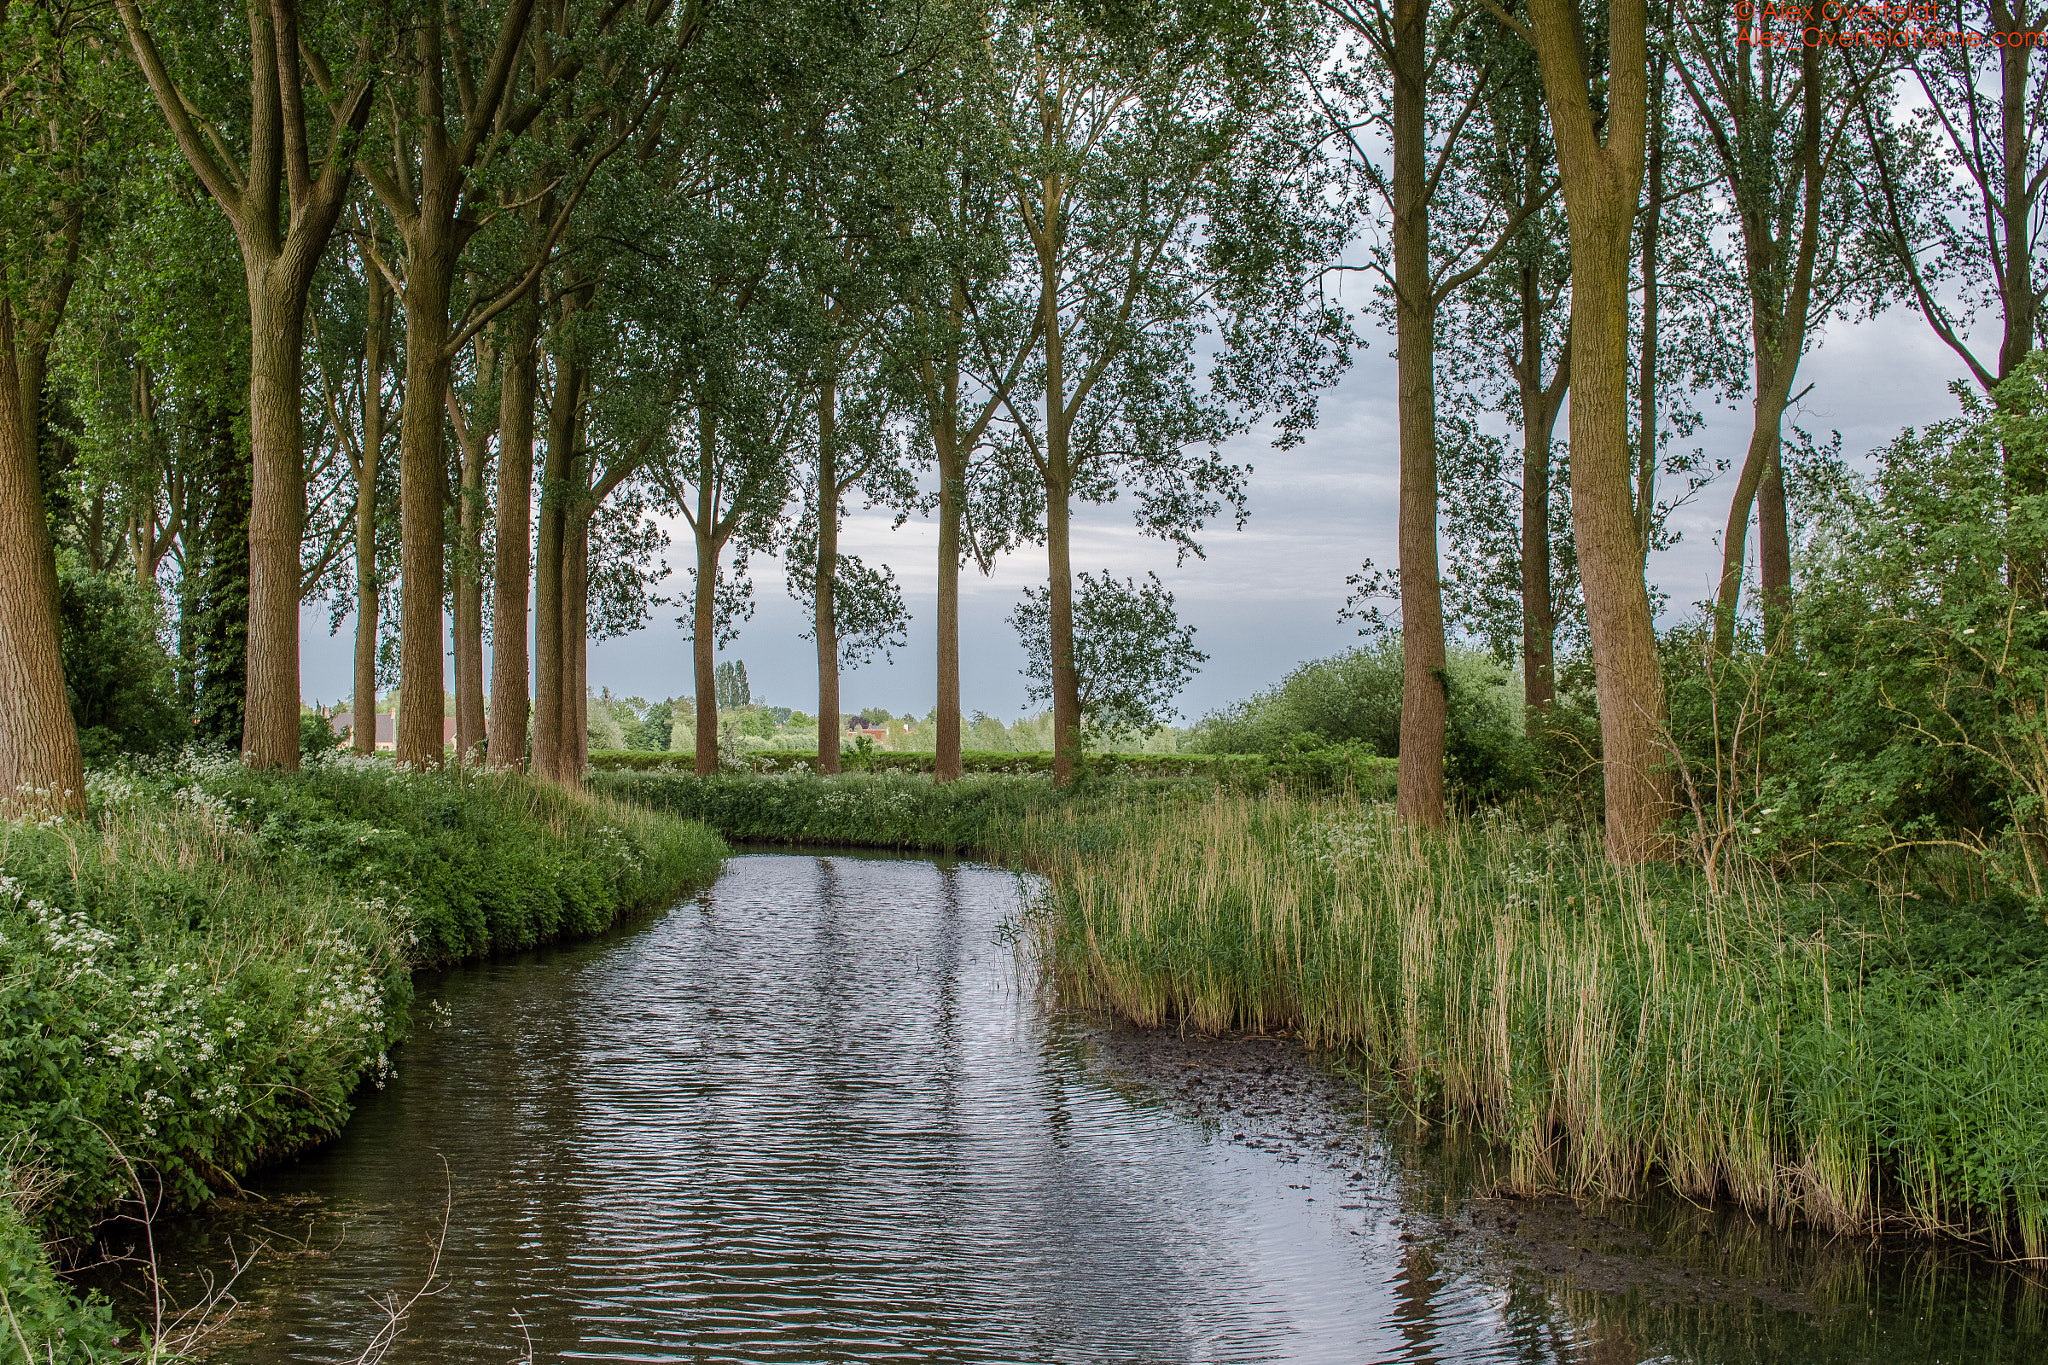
(813, 1115)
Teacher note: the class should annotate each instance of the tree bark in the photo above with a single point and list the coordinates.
(1419, 797)
(946, 766)
(1646, 371)
(574, 754)
(40, 767)
(1602, 180)
(506, 743)
(277, 518)
(1540, 405)
(2026, 473)
(363, 737)
(704, 609)
(468, 594)
(549, 719)
(824, 620)
(422, 475)
(1059, 473)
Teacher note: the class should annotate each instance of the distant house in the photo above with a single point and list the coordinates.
(861, 725)
(344, 723)
(387, 729)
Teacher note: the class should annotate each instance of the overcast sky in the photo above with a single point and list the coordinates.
(1267, 597)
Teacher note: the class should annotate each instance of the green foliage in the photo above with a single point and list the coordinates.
(1353, 699)
(1896, 726)
(40, 1322)
(200, 974)
(892, 804)
(652, 730)
(1132, 654)
(120, 681)
(730, 679)
(869, 810)
(1841, 1060)
(316, 735)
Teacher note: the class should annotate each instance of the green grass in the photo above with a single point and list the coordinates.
(198, 976)
(1834, 1061)
(1324, 765)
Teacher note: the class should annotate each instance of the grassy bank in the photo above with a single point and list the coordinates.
(197, 977)
(1321, 765)
(895, 806)
(1832, 1060)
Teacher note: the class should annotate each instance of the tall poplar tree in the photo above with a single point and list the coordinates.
(1596, 87)
(47, 135)
(278, 166)
(1158, 181)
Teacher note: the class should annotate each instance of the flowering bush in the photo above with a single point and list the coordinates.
(199, 974)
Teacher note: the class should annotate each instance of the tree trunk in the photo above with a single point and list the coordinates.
(574, 755)
(1602, 180)
(506, 744)
(2026, 473)
(1059, 474)
(1540, 405)
(1420, 795)
(423, 474)
(946, 765)
(1759, 463)
(703, 607)
(277, 516)
(40, 767)
(1646, 371)
(1066, 683)
(1780, 293)
(1774, 546)
(468, 594)
(364, 735)
(548, 710)
(279, 270)
(824, 620)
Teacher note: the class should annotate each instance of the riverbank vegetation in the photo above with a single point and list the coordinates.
(199, 973)
(1822, 1054)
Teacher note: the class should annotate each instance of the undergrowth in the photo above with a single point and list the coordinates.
(1827, 1058)
(198, 975)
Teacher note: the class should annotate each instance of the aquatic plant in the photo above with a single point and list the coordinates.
(1821, 1058)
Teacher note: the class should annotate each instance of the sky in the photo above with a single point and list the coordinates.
(1265, 598)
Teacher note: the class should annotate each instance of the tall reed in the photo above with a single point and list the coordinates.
(1608, 1028)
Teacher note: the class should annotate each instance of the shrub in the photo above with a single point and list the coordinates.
(1896, 725)
(117, 674)
(201, 973)
(1354, 699)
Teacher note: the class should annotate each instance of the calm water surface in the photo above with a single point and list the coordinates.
(818, 1113)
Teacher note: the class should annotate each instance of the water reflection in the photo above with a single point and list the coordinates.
(811, 1115)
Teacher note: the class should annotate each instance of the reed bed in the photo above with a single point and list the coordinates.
(1806, 1055)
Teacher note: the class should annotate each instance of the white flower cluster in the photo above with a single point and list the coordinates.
(617, 847)
(111, 788)
(72, 940)
(348, 1001)
(177, 1040)
(1346, 841)
(214, 812)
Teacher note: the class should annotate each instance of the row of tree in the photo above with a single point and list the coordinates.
(1638, 204)
(738, 262)
(517, 275)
